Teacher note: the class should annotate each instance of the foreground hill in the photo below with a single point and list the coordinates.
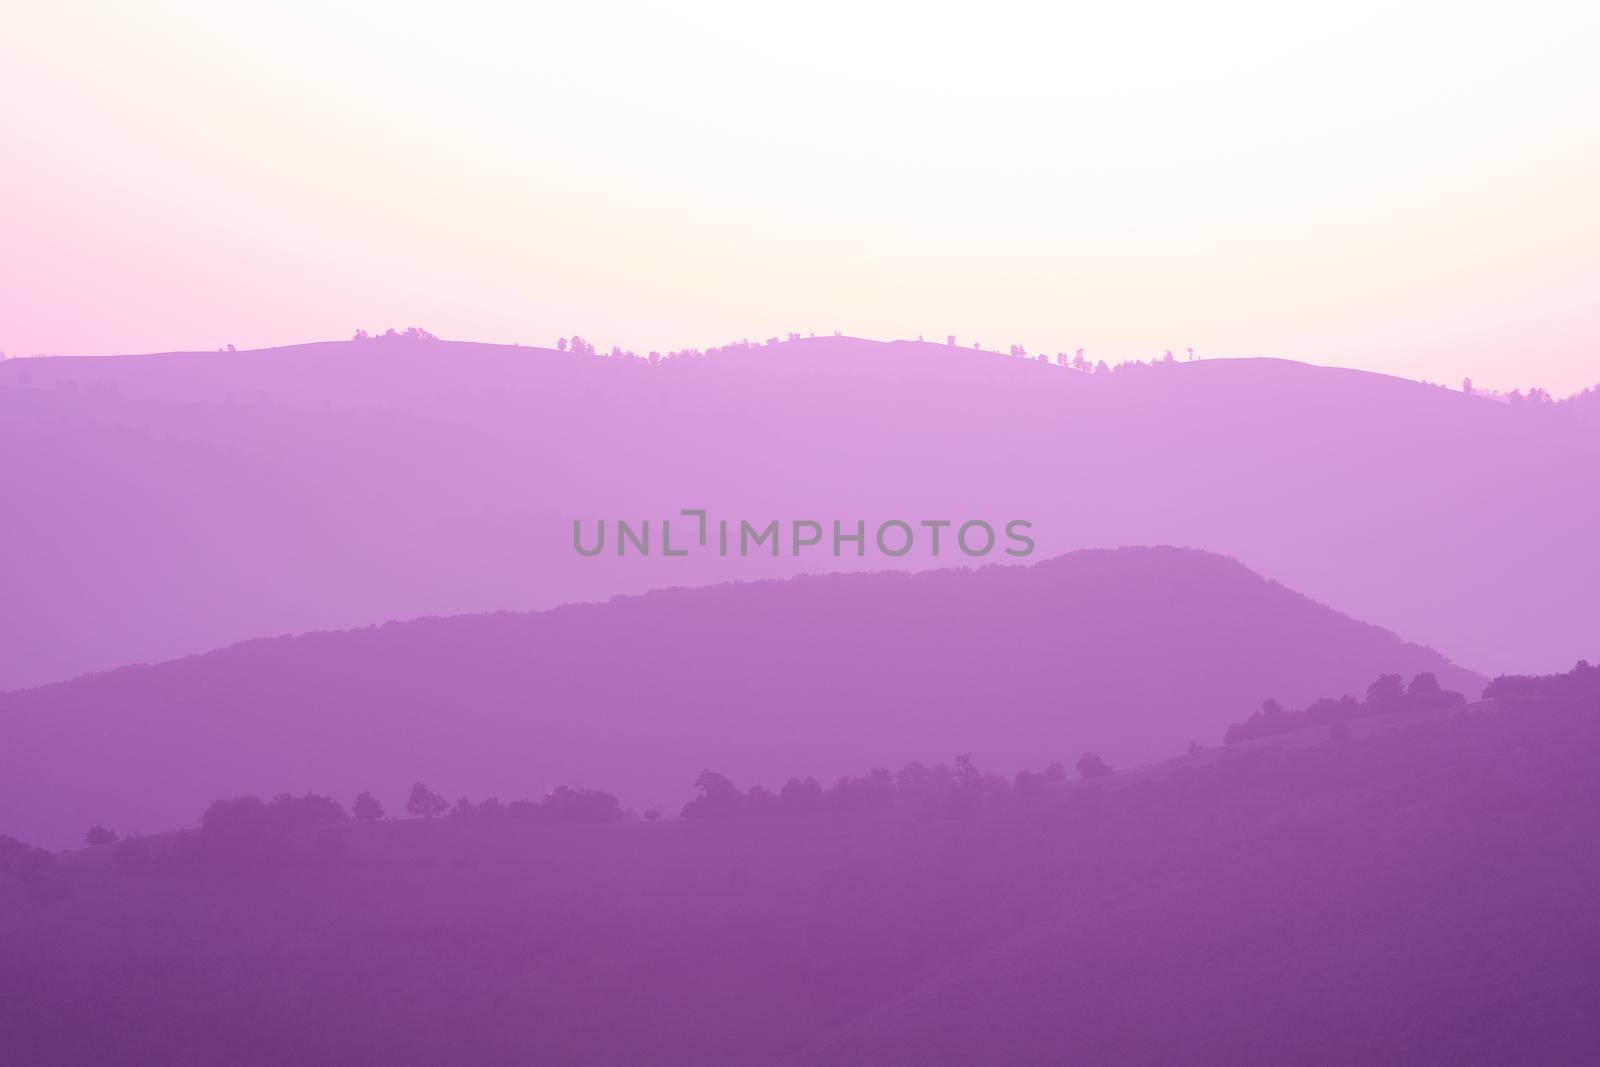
(163, 505)
(1420, 894)
(1131, 652)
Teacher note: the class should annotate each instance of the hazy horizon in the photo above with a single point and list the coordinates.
(473, 589)
(604, 349)
(1406, 191)
(316, 478)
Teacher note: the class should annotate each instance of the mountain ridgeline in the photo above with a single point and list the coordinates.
(1422, 894)
(164, 505)
(1131, 653)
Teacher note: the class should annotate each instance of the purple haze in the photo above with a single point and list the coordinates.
(164, 505)
(779, 809)
(1133, 653)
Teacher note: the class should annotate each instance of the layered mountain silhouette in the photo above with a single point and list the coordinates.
(1133, 653)
(163, 505)
(1411, 898)
(1416, 894)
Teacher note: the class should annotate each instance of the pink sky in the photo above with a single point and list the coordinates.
(1402, 191)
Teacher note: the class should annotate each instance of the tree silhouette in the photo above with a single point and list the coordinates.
(241, 814)
(40, 872)
(10, 849)
(759, 800)
(1091, 765)
(566, 804)
(718, 796)
(99, 835)
(1386, 692)
(800, 794)
(1425, 691)
(967, 775)
(872, 790)
(424, 803)
(367, 809)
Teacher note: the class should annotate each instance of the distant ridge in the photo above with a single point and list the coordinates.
(1132, 653)
(165, 504)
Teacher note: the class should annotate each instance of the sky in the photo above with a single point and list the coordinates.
(1406, 188)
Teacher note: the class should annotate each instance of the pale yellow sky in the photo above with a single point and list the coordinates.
(1406, 188)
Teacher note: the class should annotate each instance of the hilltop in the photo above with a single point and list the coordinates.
(1131, 652)
(163, 505)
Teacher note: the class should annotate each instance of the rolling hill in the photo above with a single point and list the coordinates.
(1419, 894)
(1130, 652)
(162, 505)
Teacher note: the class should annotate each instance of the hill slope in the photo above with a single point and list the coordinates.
(1131, 652)
(164, 505)
(1424, 895)
(1417, 897)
